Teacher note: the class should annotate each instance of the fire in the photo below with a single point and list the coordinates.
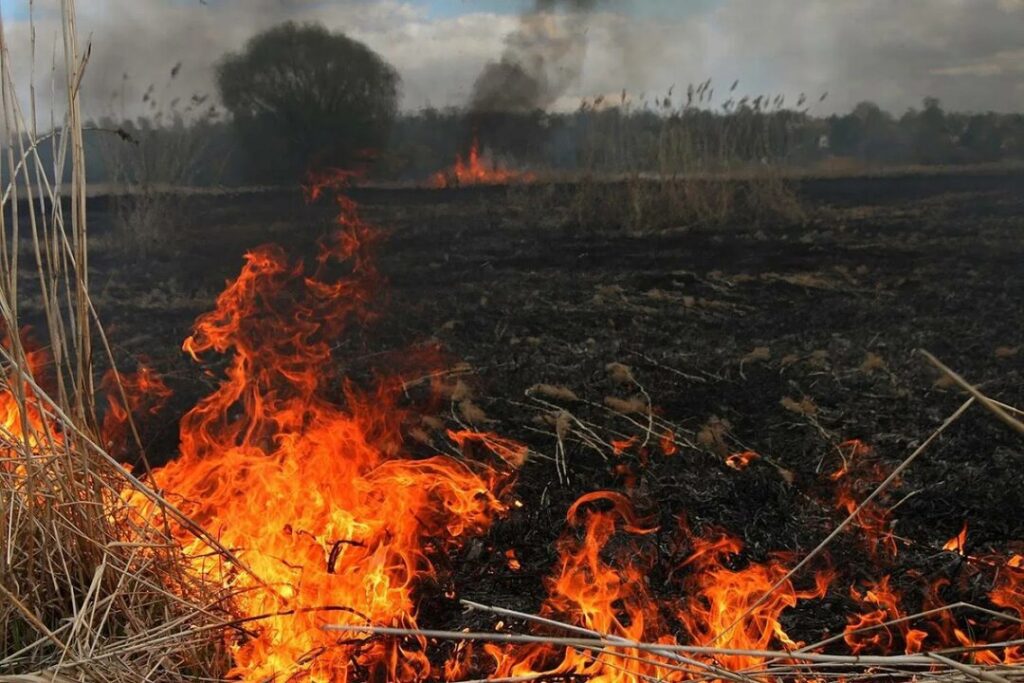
(145, 393)
(957, 543)
(1008, 593)
(606, 595)
(868, 633)
(305, 477)
(473, 170)
(667, 442)
(740, 461)
(29, 426)
(601, 584)
(620, 446)
(720, 596)
(855, 479)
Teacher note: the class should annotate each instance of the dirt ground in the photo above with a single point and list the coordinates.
(788, 340)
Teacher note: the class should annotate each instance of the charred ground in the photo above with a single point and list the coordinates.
(786, 339)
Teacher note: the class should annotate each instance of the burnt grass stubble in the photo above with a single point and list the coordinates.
(880, 266)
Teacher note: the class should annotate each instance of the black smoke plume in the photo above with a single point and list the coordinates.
(542, 58)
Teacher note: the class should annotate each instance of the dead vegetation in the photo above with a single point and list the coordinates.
(90, 590)
(696, 169)
(96, 591)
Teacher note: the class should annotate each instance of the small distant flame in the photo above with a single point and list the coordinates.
(740, 461)
(473, 170)
(620, 446)
(852, 451)
(668, 443)
(512, 560)
(958, 542)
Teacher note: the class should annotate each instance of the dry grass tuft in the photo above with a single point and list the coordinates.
(89, 590)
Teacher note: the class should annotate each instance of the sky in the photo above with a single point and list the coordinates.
(969, 53)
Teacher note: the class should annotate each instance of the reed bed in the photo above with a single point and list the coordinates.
(686, 161)
(89, 590)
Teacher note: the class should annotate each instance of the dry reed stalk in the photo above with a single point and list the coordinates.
(909, 667)
(92, 590)
(996, 408)
(692, 663)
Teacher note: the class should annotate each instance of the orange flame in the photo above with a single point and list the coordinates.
(740, 461)
(601, 584)
(668, 443)
(472, 170)
(609, 596)
(865, 633)
(1008, 593)
(958, 542)
(722, 596)
(146, 394)
(855, 478)
(306, 478)
(18, 427)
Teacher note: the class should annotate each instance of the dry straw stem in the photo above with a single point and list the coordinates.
(90, 589)
(998, 409)
(501, 611)
(901, 663)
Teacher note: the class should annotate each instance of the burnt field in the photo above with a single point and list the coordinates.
(754, 377)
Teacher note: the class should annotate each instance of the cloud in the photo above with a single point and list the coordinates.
(1008, 63)
(136, 44)
(967, 52)
(894, 53)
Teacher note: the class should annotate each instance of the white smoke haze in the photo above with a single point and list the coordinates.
(966, 52)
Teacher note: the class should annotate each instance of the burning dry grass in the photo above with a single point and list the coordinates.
(294, 536)
(612, 615)
(474, 169)
(90, 591)
(335, 522)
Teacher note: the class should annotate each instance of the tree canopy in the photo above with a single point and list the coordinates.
(303, 97)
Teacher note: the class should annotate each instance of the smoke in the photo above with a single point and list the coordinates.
(543, 57)
(966, 52)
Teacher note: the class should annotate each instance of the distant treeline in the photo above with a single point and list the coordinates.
(596, 138)
(660, 139)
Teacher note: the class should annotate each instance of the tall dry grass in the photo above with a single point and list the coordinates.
(89, 590)
(691, 163)
(149, 160)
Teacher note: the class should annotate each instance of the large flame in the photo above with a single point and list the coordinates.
(306, 478)
(602, 583)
